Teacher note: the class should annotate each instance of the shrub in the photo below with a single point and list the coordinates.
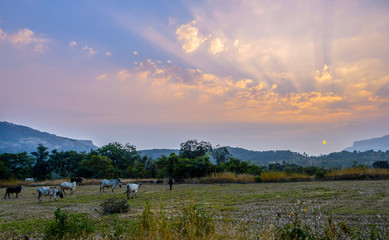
(69, 226)
(115, 205)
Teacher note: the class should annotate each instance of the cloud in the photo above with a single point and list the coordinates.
(190, 36)
(102, 76)
(89, 50)
(241, 99)
(24, 38)
(73, 44)
(135, 53)
(3, 35)
(216, 46)
(107, 53)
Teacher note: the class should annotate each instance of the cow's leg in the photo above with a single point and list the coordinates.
(17, 195)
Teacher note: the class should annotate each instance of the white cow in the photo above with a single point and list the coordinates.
(110, 183)
(132, 188)
(30, 179)
(68, 185)
(49, 191)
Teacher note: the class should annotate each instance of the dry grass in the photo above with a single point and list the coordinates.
(284, 177)
(257, 206)
(226, 177)
(273, 177)
(357, 173)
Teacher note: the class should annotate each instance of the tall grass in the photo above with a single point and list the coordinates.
(226, 177)
(357, 173)
(190, 222)
(284, 177)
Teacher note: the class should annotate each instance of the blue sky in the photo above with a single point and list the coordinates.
(263, 75)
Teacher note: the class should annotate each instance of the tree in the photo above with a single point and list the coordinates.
(381, 164)
(97, 166)
(123, 157)
(42, 168)
(19, 165)
(165, 165)
(192, 149)
(221, 154)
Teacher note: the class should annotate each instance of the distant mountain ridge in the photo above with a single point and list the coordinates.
(375, 144)
(16, 138)
(257, 157)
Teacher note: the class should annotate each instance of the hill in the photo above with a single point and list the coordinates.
(16, 138)
(375, 144)
(257, 157)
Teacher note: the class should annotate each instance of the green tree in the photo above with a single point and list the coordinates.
(65, 163)
(124, 157)
(192, 149)
(97, 166)
(381, 164)
(41, 169)
(165, 165)
(221, 154)
(19, 165)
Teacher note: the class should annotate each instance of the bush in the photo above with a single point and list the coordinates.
(69, 226)
(115, 205)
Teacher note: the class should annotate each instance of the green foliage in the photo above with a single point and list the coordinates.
(124, 157)
(19, 165)
(192, 149)
(115, 205)
(99, 166)
(41, 169)
(221, 154)
(66, 226)
(381, 164)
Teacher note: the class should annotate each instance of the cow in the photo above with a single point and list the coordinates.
(110, 183)
(159, 181)
(13, 190)
(49, 191)
(77, 180)
(30, 179)
(68, 185)
(132, 188)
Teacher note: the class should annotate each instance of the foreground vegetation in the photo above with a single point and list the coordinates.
(286, 210)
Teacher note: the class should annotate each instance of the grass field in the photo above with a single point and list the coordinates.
(256, 206)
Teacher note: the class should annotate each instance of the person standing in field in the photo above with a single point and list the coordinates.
(170, 182)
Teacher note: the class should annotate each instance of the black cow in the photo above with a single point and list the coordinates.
(13, 190)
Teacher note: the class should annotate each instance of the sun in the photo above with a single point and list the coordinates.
(324, 141)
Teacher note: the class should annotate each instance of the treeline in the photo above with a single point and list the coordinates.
(117, 160)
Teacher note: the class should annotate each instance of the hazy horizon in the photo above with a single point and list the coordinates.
(278, 75)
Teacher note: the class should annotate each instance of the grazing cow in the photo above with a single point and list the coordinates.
(132, 188)
(49, 191)
(13, 190)
(77, 180)
(68, 185)
(30, 179)
(110, 183)
(159, 181)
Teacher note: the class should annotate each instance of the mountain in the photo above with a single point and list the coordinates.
(16, 138)
(375, 144)
(157, 153)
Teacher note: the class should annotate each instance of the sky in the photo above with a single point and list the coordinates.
(261, 75)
